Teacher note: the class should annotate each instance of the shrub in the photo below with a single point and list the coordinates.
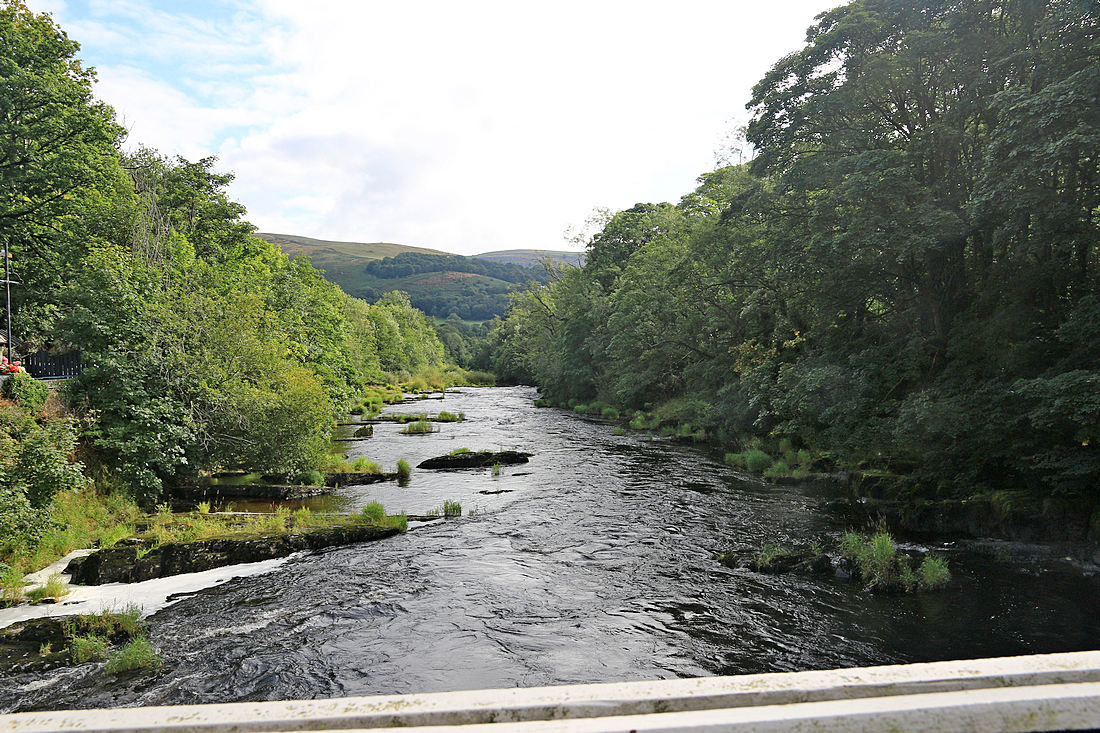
(757, 460)
(137, 654)
(496, 469)
(542, 403)
(610, 413)
(735, 459)
(450, 417)
(27, 391)
(403, 470)
(452, 509)
(777, 470)
(580, 409)
(311, 478)
(88, 648)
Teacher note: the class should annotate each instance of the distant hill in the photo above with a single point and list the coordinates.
(440, 284)
(532, 257)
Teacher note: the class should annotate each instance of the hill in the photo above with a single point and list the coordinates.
(532, 257)
(440, 284)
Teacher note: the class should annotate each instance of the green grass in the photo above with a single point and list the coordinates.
(420, 427)
(496, 469)
(362, 464)
(767, 555)
(11, 585)
(136, 654)
(311, 478)
(55, 588)
(460, 451)
(880, 565)
(933, 573)
(450, 417)
(403, 470)
(88, 648)
(452, 509)
(374, 511)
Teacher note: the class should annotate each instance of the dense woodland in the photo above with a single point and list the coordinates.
(904, 279)
(204, 347)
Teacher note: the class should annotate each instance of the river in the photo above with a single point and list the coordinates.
(594, 562)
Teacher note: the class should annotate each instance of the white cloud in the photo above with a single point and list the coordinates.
(460, 126)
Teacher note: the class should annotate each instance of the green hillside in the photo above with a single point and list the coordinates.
(440, 284)
(532, 257)
(341, 256)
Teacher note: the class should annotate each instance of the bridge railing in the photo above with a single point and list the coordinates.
(1028, 693)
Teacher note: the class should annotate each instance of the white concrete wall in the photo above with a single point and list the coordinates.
(1041, 692)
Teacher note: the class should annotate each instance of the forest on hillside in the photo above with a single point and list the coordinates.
(904, 279)
(204, 347)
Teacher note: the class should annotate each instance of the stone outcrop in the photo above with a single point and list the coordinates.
(479, 459)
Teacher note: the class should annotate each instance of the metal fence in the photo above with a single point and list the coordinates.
(48, 365)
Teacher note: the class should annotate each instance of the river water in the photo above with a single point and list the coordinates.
(594, 562)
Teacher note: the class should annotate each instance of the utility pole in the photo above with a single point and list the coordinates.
(7, 296)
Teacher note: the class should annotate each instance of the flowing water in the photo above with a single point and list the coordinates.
(594, 562)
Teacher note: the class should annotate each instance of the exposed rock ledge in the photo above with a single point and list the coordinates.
(123, 564)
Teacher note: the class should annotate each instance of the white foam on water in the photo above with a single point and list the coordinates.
(149, 595)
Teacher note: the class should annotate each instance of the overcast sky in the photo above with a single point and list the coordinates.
(461, 126)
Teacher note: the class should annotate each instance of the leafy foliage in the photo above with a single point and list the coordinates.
(903, 279)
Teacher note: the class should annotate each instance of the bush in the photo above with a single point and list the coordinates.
(757, 460)
(137, 654)
(24, 389)
(452, 509)
(450, 417)
(609, 413)
(777, 470)
(580, 409)
(311, 478)
(403, 470)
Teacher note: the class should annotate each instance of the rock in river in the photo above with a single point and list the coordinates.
(478, 459)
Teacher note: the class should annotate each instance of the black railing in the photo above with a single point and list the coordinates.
(47, 365)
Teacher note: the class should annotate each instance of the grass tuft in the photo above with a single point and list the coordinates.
(137, 654)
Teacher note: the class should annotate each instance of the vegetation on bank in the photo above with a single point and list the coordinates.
(85, 518)
(205, 348)
(903, 281)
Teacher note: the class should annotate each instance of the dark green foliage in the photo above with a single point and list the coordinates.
(905, 279)
(26, 390)
(205, 347)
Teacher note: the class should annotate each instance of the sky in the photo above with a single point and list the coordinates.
(461, 126)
